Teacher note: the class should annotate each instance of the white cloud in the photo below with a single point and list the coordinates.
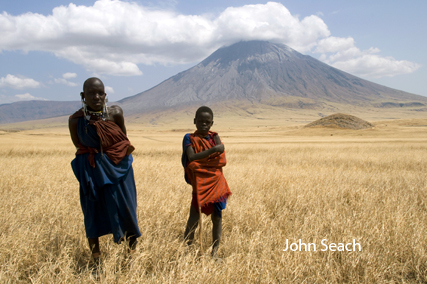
(271, 21)
(109, 90)
(28, 97)
(374, 66)
(15, 82)
(64, 82)
(344, 55)
(69, 75)
(334, 44)
(114, 37)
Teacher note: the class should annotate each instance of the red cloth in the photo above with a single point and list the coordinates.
(206, 175)
(114, 142)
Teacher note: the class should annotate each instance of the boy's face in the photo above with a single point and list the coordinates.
(94, 95)
(203, 122)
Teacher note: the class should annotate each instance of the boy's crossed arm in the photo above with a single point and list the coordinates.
(191, 155)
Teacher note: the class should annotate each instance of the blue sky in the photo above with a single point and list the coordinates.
(48, 48)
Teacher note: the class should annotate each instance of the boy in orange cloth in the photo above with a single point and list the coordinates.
(203, 158)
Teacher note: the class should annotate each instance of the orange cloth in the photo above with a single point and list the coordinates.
(206, 175)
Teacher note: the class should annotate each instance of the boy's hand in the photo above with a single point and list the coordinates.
(219, 148)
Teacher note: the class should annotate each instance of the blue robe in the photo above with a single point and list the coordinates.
(107, 191)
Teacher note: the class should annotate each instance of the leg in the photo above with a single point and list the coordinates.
(131, 237)
(193, 221)
(94, 247)
(216, 233)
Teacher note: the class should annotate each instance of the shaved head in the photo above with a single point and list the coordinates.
(90, 81)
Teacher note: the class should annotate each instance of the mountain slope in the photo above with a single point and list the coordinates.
(267, 73)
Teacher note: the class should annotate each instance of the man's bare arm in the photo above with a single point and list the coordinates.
(72, 126)
(116, 115)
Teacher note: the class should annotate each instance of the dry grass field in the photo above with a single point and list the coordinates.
(288, 183)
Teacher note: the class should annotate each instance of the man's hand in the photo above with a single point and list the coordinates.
(219, 148)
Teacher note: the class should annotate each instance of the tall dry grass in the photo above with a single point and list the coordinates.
(369, 189)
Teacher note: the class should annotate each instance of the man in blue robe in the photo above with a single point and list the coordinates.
(103, 167)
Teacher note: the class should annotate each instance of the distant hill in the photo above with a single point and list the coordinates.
(341, 120)
(32, 110)
(254, 73)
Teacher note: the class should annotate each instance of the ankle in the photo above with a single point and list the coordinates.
(96, 255)
(132, 243)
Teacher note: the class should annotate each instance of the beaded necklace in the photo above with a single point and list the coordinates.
(93, 116)
(98, 114)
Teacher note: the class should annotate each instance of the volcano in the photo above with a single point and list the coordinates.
(260, 72)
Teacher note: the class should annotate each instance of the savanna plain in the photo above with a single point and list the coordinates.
(288, 183)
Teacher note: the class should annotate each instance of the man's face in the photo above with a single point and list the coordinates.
(94, 95)
(203, 122)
